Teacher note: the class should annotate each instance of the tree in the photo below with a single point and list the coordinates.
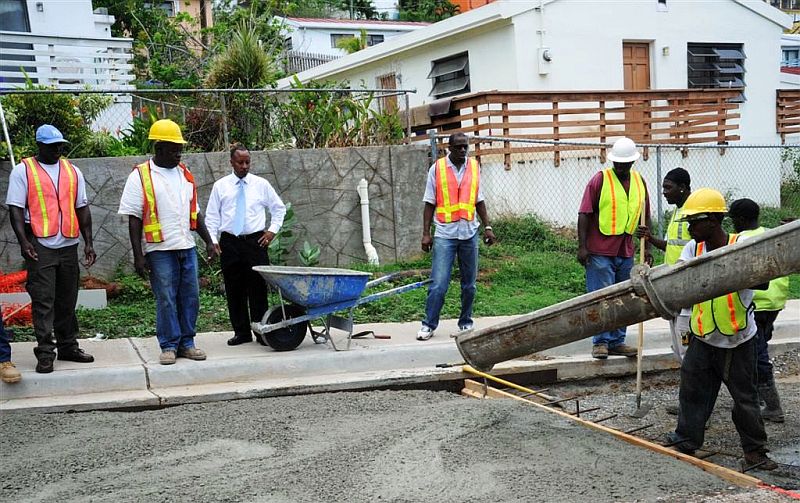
(245, 63)
(426, 10)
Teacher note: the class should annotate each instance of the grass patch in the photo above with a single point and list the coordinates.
(532, 266)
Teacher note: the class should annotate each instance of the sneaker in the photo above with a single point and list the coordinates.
(192, 354)
(167, 357)
(623, 350)
(758, 460)
(9, 373)
(463, 328)
(600, 351)
(424, 333)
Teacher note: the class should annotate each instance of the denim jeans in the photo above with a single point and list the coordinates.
(173, 278)
(703, 370)
(445, 252)
(765, 324)
(5, 344)
(602, 271)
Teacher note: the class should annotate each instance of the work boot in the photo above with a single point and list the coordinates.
(771, 408)
(44, 365)
(167, 357)
(75, 355)
(623, 350)
(9, 373)
(758, 460)
(192, 353)
(600, 351)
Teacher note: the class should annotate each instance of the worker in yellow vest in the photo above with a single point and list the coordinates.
(676, 187)
(608, 217)
(49, 208)
(722, 348)
(744, 213)
(452, 198)
(160, 200)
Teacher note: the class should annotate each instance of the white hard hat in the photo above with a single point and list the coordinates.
(624, 150)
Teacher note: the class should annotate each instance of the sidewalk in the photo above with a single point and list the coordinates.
(126, 372)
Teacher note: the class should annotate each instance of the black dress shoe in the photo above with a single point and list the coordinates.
(76, 355)
(44, 365)
(239, 339)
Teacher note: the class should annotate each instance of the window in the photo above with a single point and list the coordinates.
(14, 17)
(716, 66)
(374, 39)
(336, 37)
(450, 76)
(167, 6)
(287, 44)
(790, 57)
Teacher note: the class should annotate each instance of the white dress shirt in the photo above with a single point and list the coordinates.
(18, 196)
(173, 201)
(259, 195)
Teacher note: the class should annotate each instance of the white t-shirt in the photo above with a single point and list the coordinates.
(715, 338)
(173, 201)
(18, 196)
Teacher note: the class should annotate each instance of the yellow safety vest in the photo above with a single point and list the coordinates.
(773, 298)
(677, 237)
(620, 211)
(726, 313)
(150, 223)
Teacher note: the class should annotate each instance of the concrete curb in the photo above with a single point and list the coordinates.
(167, 389)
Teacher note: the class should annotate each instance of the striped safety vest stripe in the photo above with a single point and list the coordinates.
(150, 223)
(456, 201)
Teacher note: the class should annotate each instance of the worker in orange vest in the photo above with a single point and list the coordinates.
(160, 200)
(608, 217)
(453, 196)
(49, 208)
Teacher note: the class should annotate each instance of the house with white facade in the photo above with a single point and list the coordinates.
(584, 55)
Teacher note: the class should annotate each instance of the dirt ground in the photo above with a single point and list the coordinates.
(398, 446)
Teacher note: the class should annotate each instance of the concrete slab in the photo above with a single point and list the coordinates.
(81, 402)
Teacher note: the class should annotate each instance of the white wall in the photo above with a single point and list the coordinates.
(64, 18)
(318, 40)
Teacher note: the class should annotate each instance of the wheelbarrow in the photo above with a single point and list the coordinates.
(308, 293)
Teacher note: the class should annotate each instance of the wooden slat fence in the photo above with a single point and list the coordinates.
(787, 112)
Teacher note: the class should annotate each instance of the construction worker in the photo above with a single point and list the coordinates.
(608, 217)
(453, 195)
(160, 200)
(744, 214)
(49, 208)
(676, 187)
(722, 348)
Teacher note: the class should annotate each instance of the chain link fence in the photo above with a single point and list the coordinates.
(535, 186)
(116, 123)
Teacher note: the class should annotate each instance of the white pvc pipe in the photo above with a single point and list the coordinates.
(372, 253)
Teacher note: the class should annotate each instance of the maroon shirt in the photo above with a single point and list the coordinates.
(598, 243)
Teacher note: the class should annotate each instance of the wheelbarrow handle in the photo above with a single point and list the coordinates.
(383, 279)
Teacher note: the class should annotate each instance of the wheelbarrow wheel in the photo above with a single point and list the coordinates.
(287, 338)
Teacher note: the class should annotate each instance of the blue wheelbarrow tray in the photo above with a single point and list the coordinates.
(320, 290)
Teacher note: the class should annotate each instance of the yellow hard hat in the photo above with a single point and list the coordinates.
(703, 201)
(166, 130)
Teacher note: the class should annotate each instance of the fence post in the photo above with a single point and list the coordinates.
(659, 215)
(225, 138)
(408, 117)
(434, 146)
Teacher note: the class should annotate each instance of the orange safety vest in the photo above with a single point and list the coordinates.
(726, 313)
(151, 226)
(52, 208)
(456, 201)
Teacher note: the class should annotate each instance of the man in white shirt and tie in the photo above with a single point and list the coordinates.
(237, 223)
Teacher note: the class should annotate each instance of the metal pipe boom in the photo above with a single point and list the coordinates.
(650, 293)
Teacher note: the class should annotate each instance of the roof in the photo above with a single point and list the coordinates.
(337, 22)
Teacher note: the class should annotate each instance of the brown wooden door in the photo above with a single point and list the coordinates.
(636, 68)
(388, 103)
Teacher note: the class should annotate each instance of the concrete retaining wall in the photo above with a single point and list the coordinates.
(320, 184)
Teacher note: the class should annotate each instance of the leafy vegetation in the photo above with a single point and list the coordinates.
(426, 10)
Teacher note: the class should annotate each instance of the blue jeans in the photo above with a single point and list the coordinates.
(5, 344)
(173, 278)
(602, 271)
(445, 252)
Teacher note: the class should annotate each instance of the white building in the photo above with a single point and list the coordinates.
(320, 36)
(564, 45)
(790, 61)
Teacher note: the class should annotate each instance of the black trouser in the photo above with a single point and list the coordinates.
(703, 369)
(765, 323)
(53, 287)
(243, 287)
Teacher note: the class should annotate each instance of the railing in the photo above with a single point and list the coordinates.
(787, 112)
(654, 117)
(65, 62)
(296, 61)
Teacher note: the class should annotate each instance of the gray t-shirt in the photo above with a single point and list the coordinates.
(461, 229)
(18, 196)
